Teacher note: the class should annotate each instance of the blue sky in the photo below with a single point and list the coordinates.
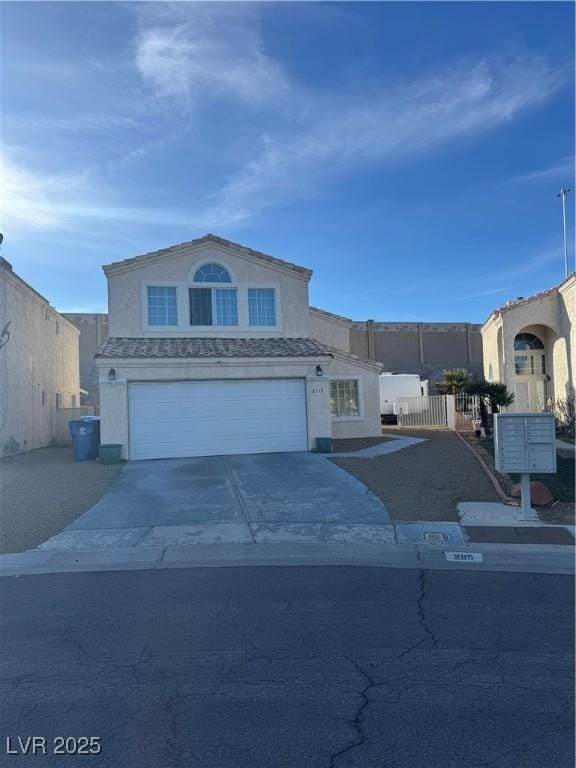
(409, 153)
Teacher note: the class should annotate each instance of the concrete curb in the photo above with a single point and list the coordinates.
(494, 557)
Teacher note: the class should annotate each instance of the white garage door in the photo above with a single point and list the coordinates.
(212, 418)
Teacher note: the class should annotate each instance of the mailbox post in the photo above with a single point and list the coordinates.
(524, 443)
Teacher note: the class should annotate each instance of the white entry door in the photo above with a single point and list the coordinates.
(522, 397)
(214, 418)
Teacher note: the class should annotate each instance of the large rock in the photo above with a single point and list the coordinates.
(540, 495)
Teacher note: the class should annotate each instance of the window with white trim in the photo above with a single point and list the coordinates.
(344, 399)
(162, 305)
(261, 306)
(213, 306)
(212, 273)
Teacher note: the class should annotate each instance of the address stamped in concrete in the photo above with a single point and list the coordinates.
(464, 557)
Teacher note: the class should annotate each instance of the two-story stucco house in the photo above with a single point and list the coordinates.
(39, 371)
(213, 350)
(530, 345)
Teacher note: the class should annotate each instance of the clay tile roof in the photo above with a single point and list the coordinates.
(209, 348)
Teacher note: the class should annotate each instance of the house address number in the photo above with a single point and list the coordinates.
(464, 557)
(317, 390)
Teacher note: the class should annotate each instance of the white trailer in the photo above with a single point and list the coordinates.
(398, 386)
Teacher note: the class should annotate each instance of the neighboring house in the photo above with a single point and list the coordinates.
(93, 328)
(39, 371)
(212, 351)
(530, 345)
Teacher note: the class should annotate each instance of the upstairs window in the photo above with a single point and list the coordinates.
(162, 306)
(212, 273)
(213, 306)
(261, 306)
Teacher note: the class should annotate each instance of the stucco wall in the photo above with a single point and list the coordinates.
(491, 350)
(39, 360)
(127, 288)
(329, 330)
(368, 423)
(114, 395)
(93, 328)
(565, 364)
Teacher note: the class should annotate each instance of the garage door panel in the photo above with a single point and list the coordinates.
(179, 419)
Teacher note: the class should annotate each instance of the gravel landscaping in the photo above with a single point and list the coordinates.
(424, 481)
(357, 443)
(44, 490)
(561, 484)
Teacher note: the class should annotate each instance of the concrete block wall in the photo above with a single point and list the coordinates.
(423, 348)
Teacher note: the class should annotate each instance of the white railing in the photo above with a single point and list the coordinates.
(427, 411)
(460, 412)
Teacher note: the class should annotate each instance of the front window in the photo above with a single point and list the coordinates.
(261, 306)
(344, 399)
(213, 306)
(162, 306)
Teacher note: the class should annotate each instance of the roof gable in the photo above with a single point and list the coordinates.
(187, 248)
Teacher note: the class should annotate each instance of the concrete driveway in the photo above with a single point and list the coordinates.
(264, 498)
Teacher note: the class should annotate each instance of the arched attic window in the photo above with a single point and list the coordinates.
(212, 273)
(213, 306)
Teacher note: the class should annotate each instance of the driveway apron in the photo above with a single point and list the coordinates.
(247, 498)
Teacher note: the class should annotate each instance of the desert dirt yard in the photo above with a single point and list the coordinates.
(424, 481)
(44, 490)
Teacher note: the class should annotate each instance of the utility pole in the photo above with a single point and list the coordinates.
(564, 194)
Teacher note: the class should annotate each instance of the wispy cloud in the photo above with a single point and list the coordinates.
(490, 292)
(86, 123)
(562, 169)
(30, 199)
(72, 202)
(414, 117)
(515, 273)
(188, 50)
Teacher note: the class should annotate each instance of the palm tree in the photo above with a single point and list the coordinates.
(489, 393)
(498, 395)
(454, 381)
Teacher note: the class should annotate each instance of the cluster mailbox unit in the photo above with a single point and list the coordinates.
(524, 443)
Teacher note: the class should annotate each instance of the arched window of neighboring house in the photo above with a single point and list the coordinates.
(529, 356)
(527, 341)
(212, 273)
(213, 306)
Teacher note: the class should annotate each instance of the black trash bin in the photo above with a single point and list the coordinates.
(85, 433)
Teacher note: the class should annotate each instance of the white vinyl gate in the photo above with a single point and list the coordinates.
(460, 412)
(428, 411)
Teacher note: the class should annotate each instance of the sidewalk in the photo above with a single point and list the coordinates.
(528, 548)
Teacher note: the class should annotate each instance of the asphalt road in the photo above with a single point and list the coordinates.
(290, 667)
